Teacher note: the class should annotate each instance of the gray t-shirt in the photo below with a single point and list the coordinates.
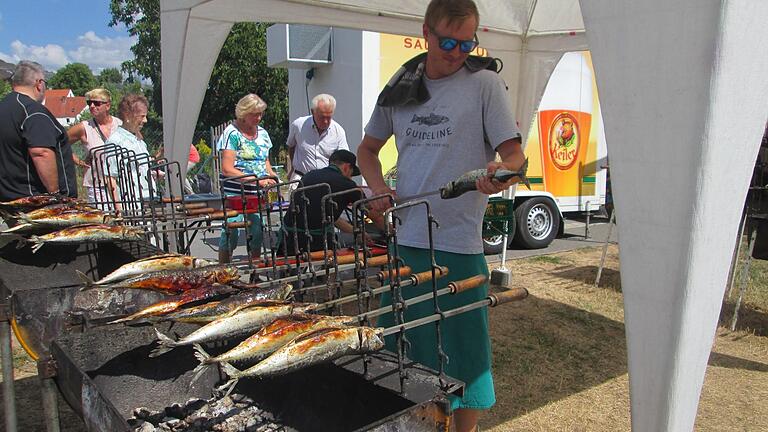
(441, 140)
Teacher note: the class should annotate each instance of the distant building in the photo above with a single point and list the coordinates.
(65, 106)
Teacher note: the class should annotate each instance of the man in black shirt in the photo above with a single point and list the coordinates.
(35, 157)
(342, 166)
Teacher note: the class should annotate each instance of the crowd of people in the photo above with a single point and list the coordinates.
(464, 91)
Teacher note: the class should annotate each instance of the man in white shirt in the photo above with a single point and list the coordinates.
(313, 138)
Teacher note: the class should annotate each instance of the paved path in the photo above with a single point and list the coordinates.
(572, 239)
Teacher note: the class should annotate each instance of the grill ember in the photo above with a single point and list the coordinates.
(233, 413)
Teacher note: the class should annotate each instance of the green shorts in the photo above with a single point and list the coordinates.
(465, 336)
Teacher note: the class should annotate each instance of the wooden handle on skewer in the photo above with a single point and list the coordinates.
(200, 211)
(405, 271)
(377, 261)
(426, 276)
(466, 284)
(513, 294)
(316, 256)
(190, 206)
(223, 214)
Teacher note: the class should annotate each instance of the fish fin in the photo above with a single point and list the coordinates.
(87, 282)
(38, 243)
(202, 357)
(227, 387)
(165, 344)
(18, 227)
(119, 320)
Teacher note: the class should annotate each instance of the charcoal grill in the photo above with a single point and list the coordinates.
(40, 298)
(105, 374)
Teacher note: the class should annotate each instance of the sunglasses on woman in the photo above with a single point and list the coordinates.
(95, 102)
(448, 44)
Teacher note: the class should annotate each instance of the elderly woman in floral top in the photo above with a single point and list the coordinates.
(244, 149)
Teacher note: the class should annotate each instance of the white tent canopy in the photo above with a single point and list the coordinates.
(684, 103)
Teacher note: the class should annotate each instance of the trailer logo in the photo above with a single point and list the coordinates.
(564, 140)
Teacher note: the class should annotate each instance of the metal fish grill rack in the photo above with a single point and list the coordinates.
(105, 374)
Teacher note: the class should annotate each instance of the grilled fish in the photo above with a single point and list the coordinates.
(270, 338)
(177, 281)
(310, 349)
(172, 303)
(36, 201)
(241, 322)
(148, 264)
(60, 220)
(88, 233)
(209, 312)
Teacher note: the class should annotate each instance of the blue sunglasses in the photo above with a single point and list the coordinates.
(448, 44)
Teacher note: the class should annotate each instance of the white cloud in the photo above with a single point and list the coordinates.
(50, 56)
(97, 52)
(100, 53)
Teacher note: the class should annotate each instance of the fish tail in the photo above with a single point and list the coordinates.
(523, 177)
(228, 386)
(165, 344)
(204, 365)
(38, 243)
(87, 282)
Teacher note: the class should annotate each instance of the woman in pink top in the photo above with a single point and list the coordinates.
(93, 133)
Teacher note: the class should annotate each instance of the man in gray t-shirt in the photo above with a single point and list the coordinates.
(448, 118)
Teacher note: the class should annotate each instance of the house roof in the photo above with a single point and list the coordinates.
(62, 106)
(58, 93)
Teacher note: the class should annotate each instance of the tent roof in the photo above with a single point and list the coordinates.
(516, 17)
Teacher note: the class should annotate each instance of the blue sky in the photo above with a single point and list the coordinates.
(57, 32)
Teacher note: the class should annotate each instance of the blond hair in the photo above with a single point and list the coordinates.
(99, 94)
(250, 103)
(454, 11)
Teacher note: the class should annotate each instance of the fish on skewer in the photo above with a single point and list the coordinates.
(310, 349)
(89, 233)
(60, 220)
(35, 201)
(149, 264)
(176, 281)
(173, 303)
(270, 338)
(241, 322)
(50, 210)
(211, 311)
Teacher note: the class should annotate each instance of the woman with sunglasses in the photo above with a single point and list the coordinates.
(449, 115)
(94, 133)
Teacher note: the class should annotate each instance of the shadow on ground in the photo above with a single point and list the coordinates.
(29, 409)
(749, 319)
(609, 278)
(545, 351)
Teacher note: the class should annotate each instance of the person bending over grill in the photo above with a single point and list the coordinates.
(449, 115)
(244, 149)
(338, 175)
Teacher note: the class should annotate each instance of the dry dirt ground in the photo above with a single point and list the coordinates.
(560, 357)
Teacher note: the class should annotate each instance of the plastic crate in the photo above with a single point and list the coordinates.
(499, 216)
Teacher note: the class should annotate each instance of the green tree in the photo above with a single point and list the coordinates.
(110, 76)
(75, 76)
(5, 88)
(240, 69)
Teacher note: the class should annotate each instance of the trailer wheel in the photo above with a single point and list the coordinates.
(493, 245)
(538, 223)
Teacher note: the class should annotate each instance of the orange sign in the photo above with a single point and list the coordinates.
(564, 137)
